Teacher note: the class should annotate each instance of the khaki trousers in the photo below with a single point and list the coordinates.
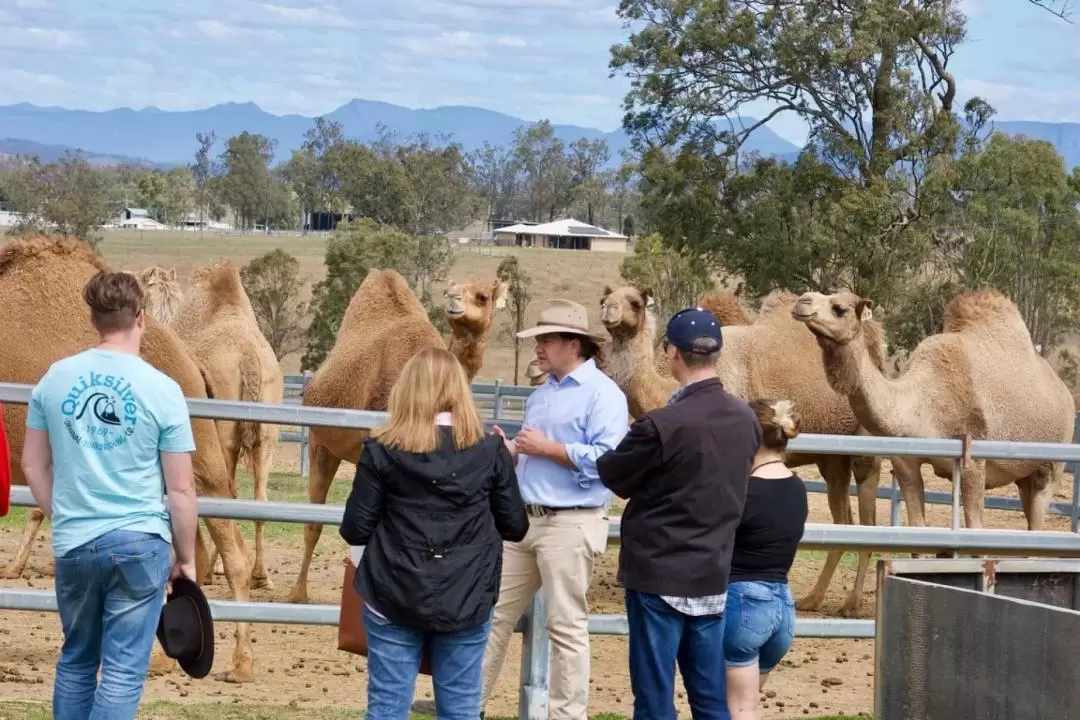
(557, 556)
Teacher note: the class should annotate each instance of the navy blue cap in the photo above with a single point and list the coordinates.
(692, 324)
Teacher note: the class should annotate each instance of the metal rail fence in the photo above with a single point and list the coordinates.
(535, 648)
(497, 393)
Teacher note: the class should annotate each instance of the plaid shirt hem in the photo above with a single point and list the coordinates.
(697, 606)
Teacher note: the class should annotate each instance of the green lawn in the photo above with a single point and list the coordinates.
(222, 711)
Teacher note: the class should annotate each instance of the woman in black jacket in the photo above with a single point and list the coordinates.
(432, 501)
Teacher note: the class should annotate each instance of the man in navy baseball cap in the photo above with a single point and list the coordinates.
(694, 331)
(683, 468)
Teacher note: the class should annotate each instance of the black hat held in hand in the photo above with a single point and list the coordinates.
(186, 628)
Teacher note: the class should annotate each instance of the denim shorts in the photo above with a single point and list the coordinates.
(760, 624)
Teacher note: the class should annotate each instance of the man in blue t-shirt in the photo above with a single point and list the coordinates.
(106, 435)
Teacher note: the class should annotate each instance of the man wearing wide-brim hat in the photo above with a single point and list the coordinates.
(572, 419)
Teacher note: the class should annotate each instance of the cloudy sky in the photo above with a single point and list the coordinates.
(528, 58)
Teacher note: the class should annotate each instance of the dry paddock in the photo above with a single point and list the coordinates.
(300, 667)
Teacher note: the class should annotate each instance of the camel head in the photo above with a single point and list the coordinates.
(837, 318)
(161, 291)
(622, 311)
(472, 305)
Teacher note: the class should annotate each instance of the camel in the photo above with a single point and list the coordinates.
(980, 377)
(218, 326)
(42, 319)
(162, 296)
(756, 362)
(470, 309)
(383, 326)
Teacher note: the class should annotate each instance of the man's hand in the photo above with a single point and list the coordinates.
(533, 442)
(178, 569)
(511, 445)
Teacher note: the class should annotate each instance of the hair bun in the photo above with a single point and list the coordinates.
(784, 418)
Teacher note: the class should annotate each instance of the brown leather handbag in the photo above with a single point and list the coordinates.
(352, 637)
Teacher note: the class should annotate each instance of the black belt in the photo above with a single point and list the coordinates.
(542, 510)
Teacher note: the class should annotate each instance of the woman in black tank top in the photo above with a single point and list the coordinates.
(759, 623)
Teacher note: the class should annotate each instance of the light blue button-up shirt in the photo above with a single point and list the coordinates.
(587, 412)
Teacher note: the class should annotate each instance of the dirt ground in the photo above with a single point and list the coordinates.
(300, 666)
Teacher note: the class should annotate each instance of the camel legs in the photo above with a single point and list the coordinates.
(973, 493)
(261, 458)
(322, 466)
(909, 477)
(1035, 493)
(837, 472)
(867, 472)
(34, 518)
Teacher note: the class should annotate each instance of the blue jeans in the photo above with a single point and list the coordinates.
(660, 636)
(394, 652)
(110, 592)
(760, 624)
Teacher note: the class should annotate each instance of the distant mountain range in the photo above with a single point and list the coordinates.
(156, 137)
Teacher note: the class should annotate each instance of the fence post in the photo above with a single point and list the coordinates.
(496, 413)
(304, 431)
(535, 668)
(894, 501)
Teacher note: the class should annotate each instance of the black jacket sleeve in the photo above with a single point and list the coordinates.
(364, 508)
(507, 506)
(624, 469)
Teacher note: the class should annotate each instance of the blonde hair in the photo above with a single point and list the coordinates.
(779, 421)
(431, 382)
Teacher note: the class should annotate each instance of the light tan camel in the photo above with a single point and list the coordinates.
(383, 326)
(759, 359)
(980, 377)
(470, 308)
(42, 319)
(218, 326)
(162, 296)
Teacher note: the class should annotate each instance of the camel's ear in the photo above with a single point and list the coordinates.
(647, 294)
(499, 292)
(172, 273)
(607, 291)
(863, 308)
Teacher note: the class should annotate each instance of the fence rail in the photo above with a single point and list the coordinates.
(535, 646)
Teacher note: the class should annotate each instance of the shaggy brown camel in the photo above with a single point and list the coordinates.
(383, 326)
(757, 362)
(980, 377)
(162, 296)
(42, 319)
(218, 326)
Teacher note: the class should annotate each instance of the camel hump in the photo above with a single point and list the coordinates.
(778, 304)
(30, 248)
(383, 296)
(982, 310)
(221, 280)
(726, 307)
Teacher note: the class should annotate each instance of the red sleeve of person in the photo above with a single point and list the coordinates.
(5, 468)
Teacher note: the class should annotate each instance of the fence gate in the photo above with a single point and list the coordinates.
(977, 640)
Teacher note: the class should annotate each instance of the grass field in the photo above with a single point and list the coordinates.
(221, 711)
(575, 275)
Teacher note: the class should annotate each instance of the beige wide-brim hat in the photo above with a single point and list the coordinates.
(562, 316)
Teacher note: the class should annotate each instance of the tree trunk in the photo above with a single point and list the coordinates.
(517, 358)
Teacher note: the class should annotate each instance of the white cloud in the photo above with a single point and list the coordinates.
(324, 16)
(1016, 101)
(220, 31)
(34, 38)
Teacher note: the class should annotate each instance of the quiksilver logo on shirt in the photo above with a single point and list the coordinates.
(100, 411)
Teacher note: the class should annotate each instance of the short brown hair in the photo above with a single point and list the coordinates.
(705, 353)
(588, 348)
(432, 381)
(115, 299)
(779, 421)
